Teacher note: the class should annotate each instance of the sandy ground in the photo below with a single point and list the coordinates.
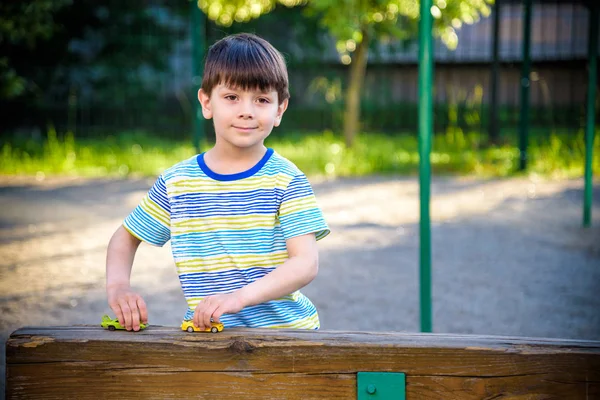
(510, 257)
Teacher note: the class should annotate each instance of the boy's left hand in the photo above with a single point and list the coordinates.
(215, 306)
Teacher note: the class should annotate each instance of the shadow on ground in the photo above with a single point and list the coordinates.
(509, 257)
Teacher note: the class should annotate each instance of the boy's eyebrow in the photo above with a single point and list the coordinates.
(238, 89)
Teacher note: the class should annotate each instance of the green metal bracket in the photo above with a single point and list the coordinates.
(381, 385)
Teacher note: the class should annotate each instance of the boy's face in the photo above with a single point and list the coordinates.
(242, 118)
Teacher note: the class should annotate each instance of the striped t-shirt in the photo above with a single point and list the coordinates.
(227, 231)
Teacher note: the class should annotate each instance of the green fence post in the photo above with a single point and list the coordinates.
(526, 67)
(198, 38)
(591, 110)
(425, 133)
(493, 123)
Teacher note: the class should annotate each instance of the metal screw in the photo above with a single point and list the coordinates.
(371, 389)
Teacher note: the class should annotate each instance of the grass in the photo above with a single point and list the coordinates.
(122, 155)
(317, 154)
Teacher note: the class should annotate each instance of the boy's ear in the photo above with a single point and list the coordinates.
(204, 100)
(280, 110)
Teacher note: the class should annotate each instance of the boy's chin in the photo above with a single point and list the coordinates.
(247, 143)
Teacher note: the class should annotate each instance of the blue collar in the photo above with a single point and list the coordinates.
(233, 177)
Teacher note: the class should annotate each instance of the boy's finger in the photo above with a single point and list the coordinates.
(202, 310)
(143, 310)
(205, 316)
(126, 315)
(118, 313)
(197, 313)
(208, 315)
(216, 315)
(135, 315)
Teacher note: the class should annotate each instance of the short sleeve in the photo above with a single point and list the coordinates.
(150, 221)
(299, 213)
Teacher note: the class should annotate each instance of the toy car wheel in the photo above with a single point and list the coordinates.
(190, 329)
(214, 329)
(111, 328)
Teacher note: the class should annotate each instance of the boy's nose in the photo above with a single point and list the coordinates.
(246, 110)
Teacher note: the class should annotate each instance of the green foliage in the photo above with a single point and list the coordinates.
(349, 20)
(558, 155)
(64, 53)
(23, 23)
(354, 24)
(127, 154)
(28, 21)
(298, 37)
(455, 153)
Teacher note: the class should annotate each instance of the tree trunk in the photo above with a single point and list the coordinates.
(358, 69)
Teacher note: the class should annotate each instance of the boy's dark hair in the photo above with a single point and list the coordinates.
(247, 62)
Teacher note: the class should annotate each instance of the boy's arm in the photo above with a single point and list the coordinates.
(128, 306)
(296, 272)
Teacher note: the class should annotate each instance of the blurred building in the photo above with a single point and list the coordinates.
(462, 76)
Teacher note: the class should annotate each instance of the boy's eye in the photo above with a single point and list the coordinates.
(264, 100)
(231, 97)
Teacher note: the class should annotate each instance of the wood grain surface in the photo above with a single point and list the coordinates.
(87, 362)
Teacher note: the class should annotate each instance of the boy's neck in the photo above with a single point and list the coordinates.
(227, 161)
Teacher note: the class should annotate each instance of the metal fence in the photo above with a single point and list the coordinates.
(162, 100)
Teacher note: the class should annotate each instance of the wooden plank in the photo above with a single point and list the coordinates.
(163, 362)
(164, 383)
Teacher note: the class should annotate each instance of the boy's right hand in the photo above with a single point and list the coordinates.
(128, 306)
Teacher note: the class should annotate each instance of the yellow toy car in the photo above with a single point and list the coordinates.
(113, 324)
(188, 325)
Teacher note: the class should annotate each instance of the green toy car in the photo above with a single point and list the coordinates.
(113, 324)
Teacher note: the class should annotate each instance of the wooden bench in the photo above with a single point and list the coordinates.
(87, 362)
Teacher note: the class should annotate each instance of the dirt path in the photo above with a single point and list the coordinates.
(509, 256)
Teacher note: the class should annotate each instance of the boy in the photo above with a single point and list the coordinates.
(243, 220)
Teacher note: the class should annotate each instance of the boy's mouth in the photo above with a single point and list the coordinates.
(245, 128)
